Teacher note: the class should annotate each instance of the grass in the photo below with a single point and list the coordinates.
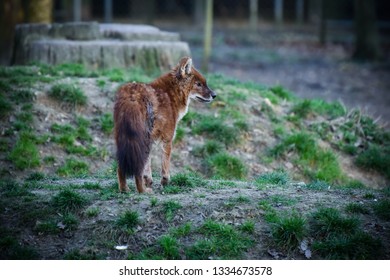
(375, 158)
(36, 176)
(75, 139)
(182, 230)
(217, 129)
(23, 96)
(12, 249)
(179, 134)
(25, 154)
(273, 178)
(359, 245)
(234, 201)
(72, 69)
(211, 147)
(170, 247)
(92, 212)
(223, 165)
(69, 201)
(69, 94)
(128, 221)
(133, 74)
(221, 241)
(306, 107)
(183, 182)
(318, 185)
(73, 167)
(107, 123)
(46, 227)
(282, 93)
(382, 209)
(328, 221)
(5, 106)
(288, 231)
(356, 208)
(317, 163)
(170, 208)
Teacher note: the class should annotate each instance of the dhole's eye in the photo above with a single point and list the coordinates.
(198, 84)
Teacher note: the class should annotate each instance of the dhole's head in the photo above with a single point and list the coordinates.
(190, 77)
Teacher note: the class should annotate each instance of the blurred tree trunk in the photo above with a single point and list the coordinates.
(323, 15)
(107, 11)
(40, 11)
(253, 14)
(300, 11)
(198, 16)
(278, 11)
(367, 38)
(207, 35)
(11, 13)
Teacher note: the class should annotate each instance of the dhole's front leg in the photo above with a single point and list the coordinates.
(166, 160)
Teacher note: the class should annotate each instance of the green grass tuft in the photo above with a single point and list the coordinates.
(182, 230)
(69, 94)
(69, 201)
(25, 153)
(318, 164)
(359, 245)
(12, 249)
(217, 129)
(36, 176)
(5, 106)
(186, 180)
(71, 69)
(273, 178)
(211, 147)
(306, 107)
(375, 158)
(223, 165)
(288, 231)
(382, 209)
(170, 209)
(128, 221)
(170, 247)
(221, 241)
(326, 222)
(248, 227)
(107, 123)
(356, 208)
(73, 167)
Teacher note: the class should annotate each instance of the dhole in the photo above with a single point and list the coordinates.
(145, 113)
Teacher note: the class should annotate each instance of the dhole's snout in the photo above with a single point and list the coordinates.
(213, 94)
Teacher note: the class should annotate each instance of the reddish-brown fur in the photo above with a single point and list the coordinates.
(145, 113)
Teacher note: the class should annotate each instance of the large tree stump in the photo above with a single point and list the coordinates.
(98, 45)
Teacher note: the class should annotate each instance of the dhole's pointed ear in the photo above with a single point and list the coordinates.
(185, 66)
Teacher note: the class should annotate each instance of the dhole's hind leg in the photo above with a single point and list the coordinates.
(139, 185)
(166, 160)
(122, 181)
(148, 174)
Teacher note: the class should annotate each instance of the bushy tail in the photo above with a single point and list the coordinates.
(133, 139)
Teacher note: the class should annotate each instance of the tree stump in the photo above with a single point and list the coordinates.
(98, 46)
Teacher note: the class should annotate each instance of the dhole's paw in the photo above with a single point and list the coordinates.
(124, 189)
(148, 181)
(148, 190)
(164, 181)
